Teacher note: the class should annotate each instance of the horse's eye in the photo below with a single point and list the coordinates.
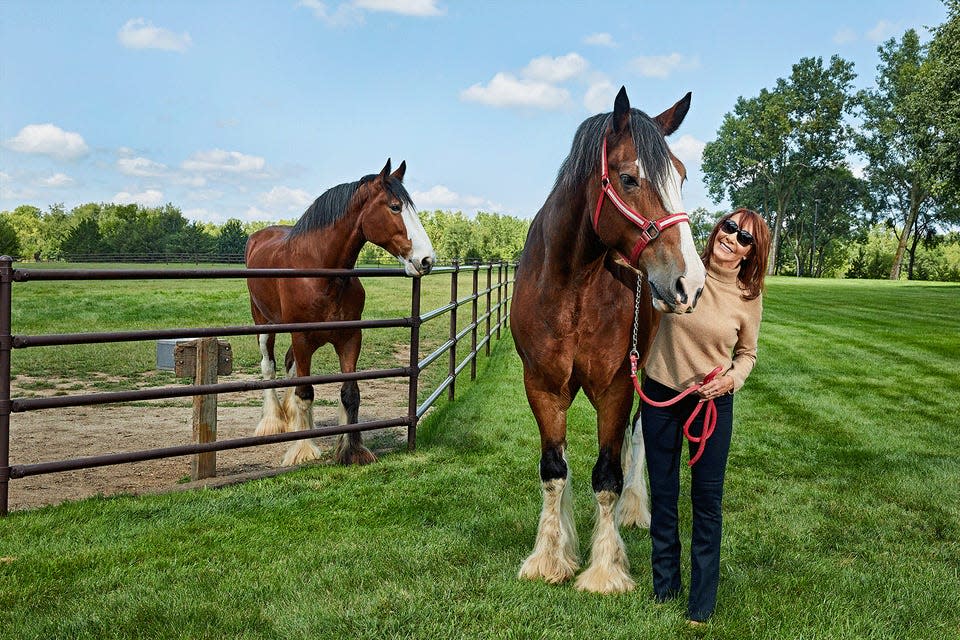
(395, 208)
(628, 180)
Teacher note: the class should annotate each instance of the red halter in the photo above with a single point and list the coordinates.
(649, 229)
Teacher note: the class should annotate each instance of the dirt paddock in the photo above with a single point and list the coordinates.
(77, 432)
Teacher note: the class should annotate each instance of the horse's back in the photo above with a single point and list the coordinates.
(263, 250)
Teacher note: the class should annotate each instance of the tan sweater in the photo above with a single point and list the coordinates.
(689, 346)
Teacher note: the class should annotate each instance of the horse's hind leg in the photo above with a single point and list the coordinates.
(633, 509)
(556, 556)
(350, 449)
(609, 569)
(274, 420)
(298, 404)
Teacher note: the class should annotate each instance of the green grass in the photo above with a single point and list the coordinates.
(842, 512)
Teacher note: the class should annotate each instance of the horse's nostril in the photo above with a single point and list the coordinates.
(681, 292)
(427, 263)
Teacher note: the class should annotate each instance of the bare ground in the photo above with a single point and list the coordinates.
(61, 434)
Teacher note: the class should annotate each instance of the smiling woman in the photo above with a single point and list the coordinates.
(722, 334)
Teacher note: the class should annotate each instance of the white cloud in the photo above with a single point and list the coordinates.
(220, 161)
(58, 181)
(285, 199)
(845, 36)
(600, 40)
(344, 14)
(403, 7)
(140, 34)
(48, 139)
(141, 167)
(555, 70)
(600, 96)
(149, 198)
(506, 90)
(442, 197)
(689, 150)
(882, 31)
(663, 66)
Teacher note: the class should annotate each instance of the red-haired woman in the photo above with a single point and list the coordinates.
(722, 331)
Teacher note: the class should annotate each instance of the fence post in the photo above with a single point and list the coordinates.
(452, 368)
(499, 297)
(204, 465)
(6, 343)
(473, 322)
(489, 293)
(414, 364)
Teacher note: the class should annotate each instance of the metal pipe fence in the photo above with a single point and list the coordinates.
(488, 319)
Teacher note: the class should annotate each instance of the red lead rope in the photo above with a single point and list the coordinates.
(709, 417)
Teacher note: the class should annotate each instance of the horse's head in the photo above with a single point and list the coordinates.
(389, 219)
(639, 212)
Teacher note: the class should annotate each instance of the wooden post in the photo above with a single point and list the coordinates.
(205, 359)
(204, 465)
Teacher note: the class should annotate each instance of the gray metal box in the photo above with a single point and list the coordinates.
(165, 348)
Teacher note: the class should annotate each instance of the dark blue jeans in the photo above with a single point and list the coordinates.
(663, 439)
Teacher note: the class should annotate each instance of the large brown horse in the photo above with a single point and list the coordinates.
(329, 235)
(614, 214)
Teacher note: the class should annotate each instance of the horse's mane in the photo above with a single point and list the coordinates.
(584, 159)
(333, 203)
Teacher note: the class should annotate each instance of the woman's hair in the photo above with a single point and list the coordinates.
(753, 268)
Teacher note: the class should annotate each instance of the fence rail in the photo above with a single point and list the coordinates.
(493, 317)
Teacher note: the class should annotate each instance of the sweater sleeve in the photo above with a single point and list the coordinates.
(745, 350)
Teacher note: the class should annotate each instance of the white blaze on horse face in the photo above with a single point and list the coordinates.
(421, 257)
(694, 275)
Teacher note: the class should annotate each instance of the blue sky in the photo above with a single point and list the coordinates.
(250, 110)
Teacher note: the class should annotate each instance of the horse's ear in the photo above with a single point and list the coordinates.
(670, 119)
(385, 171)
(402, 169)
(621, 111)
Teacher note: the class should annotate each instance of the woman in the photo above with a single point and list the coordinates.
(722, 331)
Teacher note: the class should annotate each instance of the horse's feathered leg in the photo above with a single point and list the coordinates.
(350, 449)
(609, 569)
(633, 509)
(298, 404)
(273, 420)
(556, 554)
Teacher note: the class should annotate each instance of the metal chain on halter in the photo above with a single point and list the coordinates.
(634, 354)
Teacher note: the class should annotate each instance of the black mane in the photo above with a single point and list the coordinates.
(584, 160)
(334, 202)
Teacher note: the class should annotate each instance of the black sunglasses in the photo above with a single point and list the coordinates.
(745, 238)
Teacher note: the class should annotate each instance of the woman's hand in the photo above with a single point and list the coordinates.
(716, 387)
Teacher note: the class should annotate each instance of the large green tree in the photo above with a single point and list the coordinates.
(770, 144)
(940, 95)
(894, 138)
(232, 239)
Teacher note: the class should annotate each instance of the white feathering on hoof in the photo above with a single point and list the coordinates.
(609, 570)
(555, 556)
(633, 508)
(299, 412)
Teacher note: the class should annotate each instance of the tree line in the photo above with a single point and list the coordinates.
(102, 231)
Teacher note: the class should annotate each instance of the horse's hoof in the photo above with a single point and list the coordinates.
(632, 510)
(605, 579)
(360, 455)
(303, 451)
(270, 425)
(553, 570)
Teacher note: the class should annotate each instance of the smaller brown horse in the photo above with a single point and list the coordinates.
(615, 211)
(329, 235)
